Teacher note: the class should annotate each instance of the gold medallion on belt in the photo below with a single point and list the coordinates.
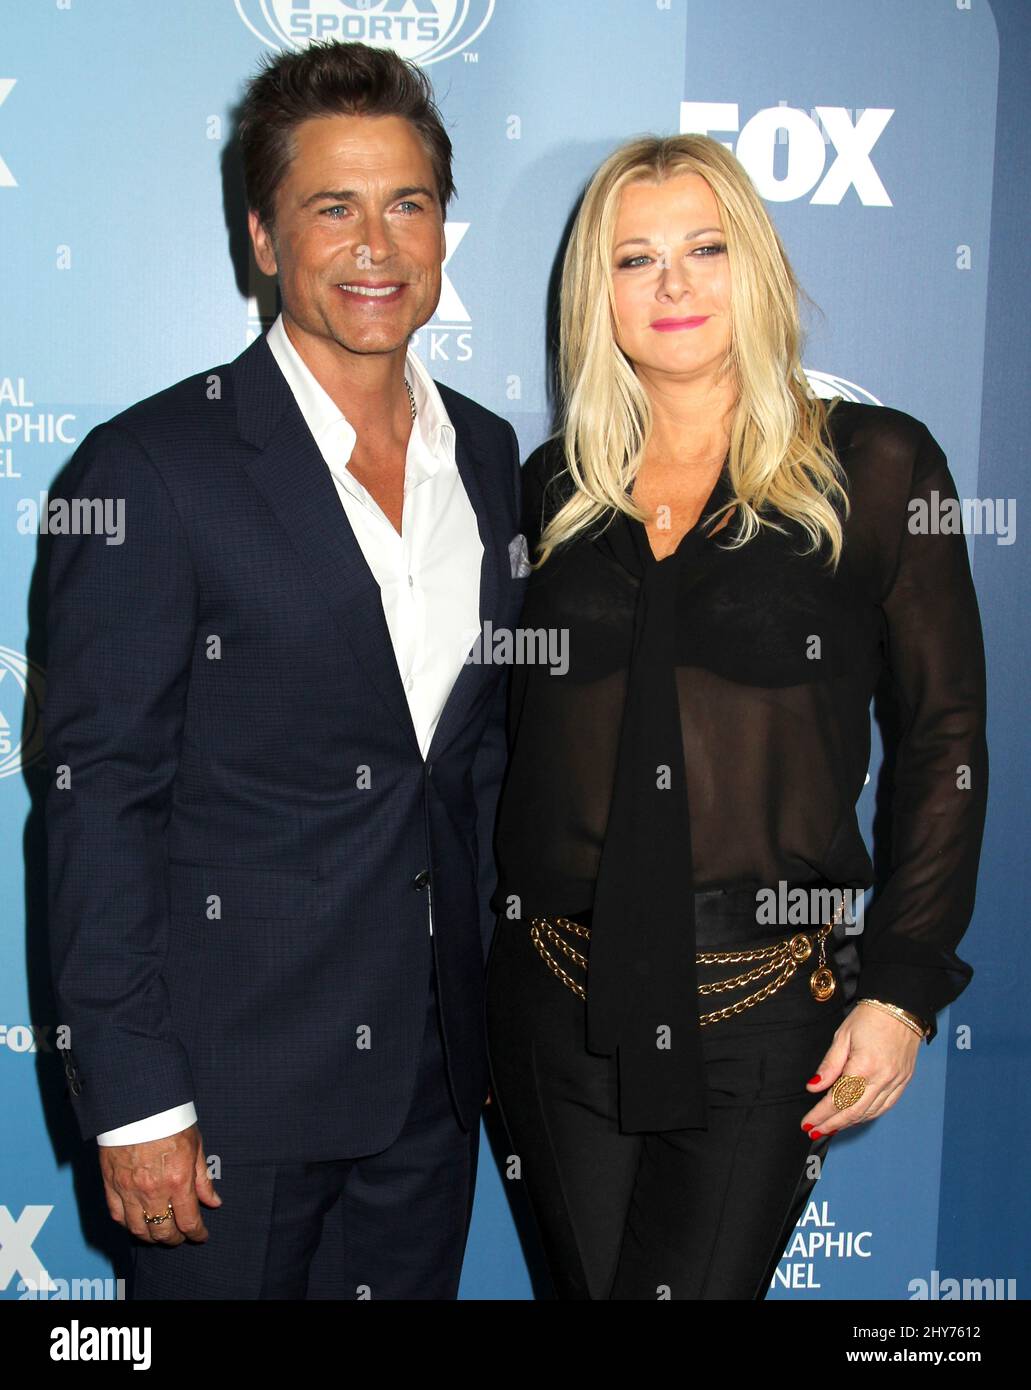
(780, 959)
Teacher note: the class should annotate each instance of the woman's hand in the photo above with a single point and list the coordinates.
(872, 1044)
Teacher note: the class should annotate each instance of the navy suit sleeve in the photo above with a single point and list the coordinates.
(491, 758)
(121, 629)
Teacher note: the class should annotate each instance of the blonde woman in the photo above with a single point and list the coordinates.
(679, 1011)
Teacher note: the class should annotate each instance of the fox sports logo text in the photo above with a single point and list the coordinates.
(423, 31)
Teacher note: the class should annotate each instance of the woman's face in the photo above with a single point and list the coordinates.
(671, 278)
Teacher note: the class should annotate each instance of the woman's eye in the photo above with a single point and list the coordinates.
(715, 248)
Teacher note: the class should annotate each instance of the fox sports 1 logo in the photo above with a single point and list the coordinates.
(423, 31)
(825, 385)
(21, 700)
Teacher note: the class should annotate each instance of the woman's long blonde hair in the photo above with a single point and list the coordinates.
(781, 459)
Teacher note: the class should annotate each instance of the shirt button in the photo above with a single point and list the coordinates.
(409, 683)
(411, 582)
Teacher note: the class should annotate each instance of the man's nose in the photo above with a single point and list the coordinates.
(374, 243)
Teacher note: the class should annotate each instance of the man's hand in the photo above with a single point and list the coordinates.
(147, 1177)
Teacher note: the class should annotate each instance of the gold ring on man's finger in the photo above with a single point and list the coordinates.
(157, 1220)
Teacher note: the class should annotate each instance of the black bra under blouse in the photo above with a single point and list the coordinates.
(713, 730)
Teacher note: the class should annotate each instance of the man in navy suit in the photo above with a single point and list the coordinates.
(274, 771)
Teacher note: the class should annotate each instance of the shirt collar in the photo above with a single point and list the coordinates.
(434, 434)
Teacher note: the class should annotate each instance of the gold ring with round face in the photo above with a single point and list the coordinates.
(157, 1220)
(847, 1090)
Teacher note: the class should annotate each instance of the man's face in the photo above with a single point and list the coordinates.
(358, 240)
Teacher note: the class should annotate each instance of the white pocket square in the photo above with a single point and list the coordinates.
(519, 556)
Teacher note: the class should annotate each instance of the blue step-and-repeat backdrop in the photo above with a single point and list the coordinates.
(889, 141)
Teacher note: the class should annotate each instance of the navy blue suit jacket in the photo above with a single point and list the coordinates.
(234, 919)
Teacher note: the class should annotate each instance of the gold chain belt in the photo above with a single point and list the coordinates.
(780, 958)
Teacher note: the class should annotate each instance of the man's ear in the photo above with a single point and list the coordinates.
(261, 240)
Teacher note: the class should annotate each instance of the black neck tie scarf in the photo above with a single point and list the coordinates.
(642, 1001)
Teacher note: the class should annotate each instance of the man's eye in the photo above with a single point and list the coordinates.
(408, 203)
(329, 212)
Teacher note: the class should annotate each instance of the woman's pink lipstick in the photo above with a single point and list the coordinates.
(676, 325)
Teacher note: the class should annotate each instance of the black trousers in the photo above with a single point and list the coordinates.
(686, 1214)
(391, 1225)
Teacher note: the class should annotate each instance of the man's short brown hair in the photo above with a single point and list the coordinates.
(332, 79)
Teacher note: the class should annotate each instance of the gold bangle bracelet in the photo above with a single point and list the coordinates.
(903, 1015)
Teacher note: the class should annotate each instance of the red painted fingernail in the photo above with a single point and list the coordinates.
(808, 1124)
(813, 1080)
(814, 1134)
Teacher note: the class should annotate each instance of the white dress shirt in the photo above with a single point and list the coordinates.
(428, 576)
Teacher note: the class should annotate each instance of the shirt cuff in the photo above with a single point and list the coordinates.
(158, 1126)
(921, 990)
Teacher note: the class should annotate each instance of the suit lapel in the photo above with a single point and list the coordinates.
(474, 675)
(291, 474)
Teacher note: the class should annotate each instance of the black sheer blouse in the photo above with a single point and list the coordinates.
(773, 661)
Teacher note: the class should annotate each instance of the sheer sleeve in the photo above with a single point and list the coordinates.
(935, 656)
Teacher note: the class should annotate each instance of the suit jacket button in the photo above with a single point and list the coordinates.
(421, 879)
(75, 1087)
